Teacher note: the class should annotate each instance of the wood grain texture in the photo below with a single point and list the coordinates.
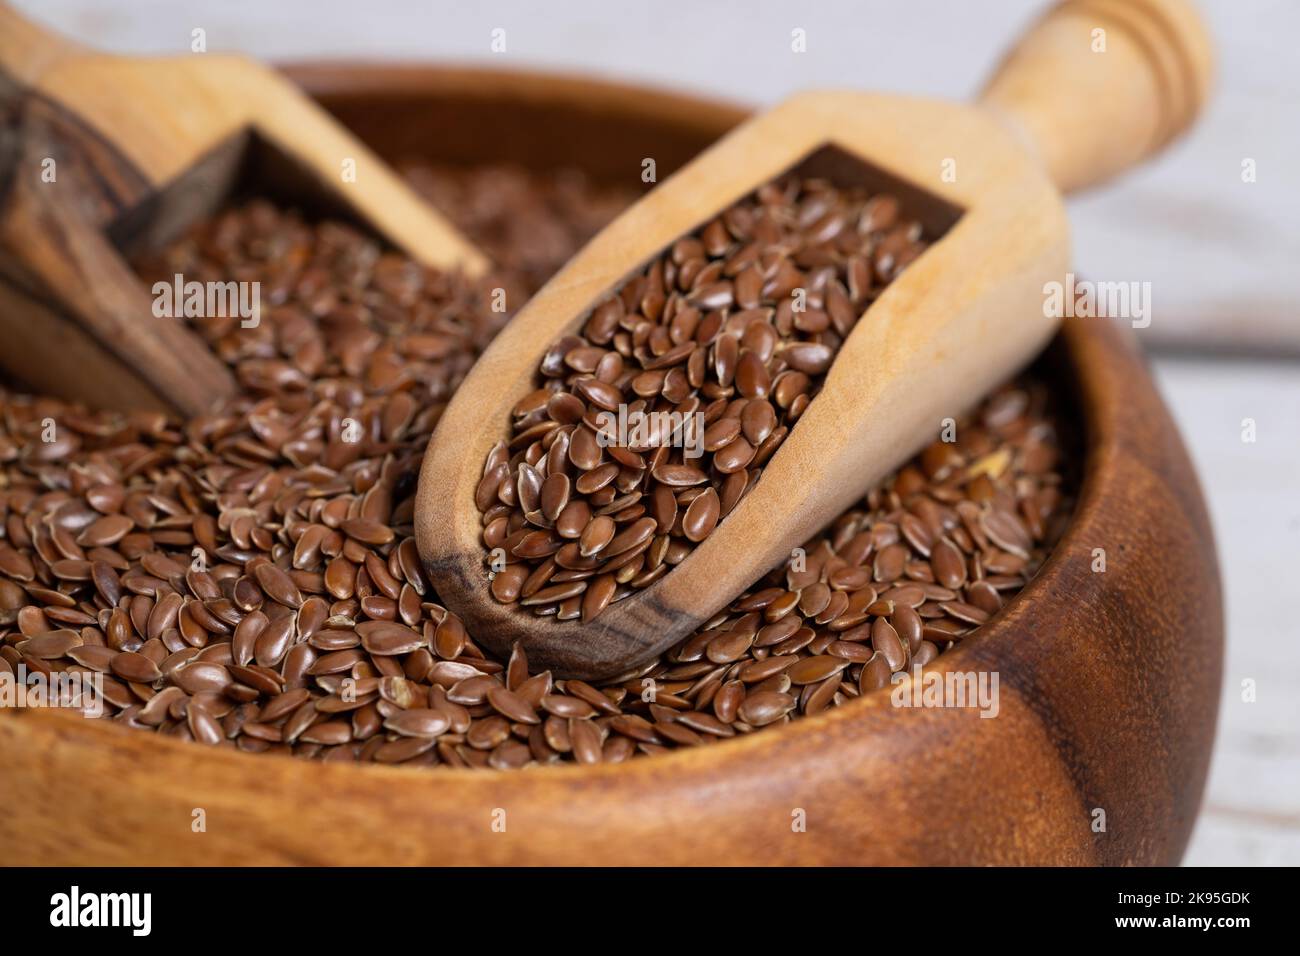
(968, 314)
(106, 344)
(1097, 86)
(126, 136)
(959, 320)
(1109, 691)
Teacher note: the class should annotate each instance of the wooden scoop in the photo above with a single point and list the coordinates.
(104, 156)
(963, 317)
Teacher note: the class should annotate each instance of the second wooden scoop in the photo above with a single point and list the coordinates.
(1059, 114)
(104, 156)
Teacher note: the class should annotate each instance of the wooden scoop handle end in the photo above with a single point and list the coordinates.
(1097, 86)
(28, 49)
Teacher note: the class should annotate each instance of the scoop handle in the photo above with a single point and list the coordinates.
(1097, 86)
(27, 49)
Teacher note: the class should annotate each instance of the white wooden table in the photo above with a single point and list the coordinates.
(1217, 251)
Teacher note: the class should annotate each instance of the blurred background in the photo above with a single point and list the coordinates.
(1222, 255)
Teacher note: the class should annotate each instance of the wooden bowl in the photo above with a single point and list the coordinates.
(1109, 682)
